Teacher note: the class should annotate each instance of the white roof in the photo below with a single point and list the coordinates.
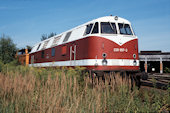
(77, 32)
(110, 19)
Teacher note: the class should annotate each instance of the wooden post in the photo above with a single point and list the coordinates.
(146, 67)
(26, 57)
(161, 66)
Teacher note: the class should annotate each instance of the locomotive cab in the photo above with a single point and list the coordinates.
(109, 28)
(114, 43)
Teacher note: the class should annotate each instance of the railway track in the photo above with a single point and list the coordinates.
(160, 81)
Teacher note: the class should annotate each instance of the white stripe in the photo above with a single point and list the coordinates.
(88, 62)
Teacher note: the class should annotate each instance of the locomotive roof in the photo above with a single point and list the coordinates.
(110, 19)
(50, 40)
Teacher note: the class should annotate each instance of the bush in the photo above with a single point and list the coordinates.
(7, 49)
(167, 70)
(1, 65)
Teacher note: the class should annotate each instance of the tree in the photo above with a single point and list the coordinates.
(7, 49)
(29, 48)
(45, 36)
(51, 35)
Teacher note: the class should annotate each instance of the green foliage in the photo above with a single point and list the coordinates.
(45, 36)
(28, 89)
(28, 47)
(1, 65)
(167, 70)
(7, 49)
(51, 35)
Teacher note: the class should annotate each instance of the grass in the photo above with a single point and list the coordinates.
(67, 90)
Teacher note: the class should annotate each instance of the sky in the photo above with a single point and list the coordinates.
(26, 20)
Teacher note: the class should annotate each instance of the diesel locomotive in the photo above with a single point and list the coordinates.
(103, 44)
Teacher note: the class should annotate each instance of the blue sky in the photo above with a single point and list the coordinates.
(26, 20)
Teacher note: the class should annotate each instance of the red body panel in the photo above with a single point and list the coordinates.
(91, 48)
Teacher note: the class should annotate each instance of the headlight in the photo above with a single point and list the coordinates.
(134, 63)
(104, 62)
(104, 55)
(134, 55)
(116, 17)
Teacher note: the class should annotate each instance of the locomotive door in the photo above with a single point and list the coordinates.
(73, 55)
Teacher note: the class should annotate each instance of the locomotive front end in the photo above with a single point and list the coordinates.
(114, 47)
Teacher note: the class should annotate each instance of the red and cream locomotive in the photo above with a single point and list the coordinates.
(103, 44)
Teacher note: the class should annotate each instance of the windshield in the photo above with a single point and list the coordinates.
(125, 29)
(108, 28)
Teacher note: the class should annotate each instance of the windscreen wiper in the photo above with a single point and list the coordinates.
(111, 27)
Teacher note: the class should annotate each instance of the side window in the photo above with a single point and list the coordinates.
(88, 29)
(38, 46)
(42, 54)
(63, 50)
(67, 36)
(96, 28)
(53, 52)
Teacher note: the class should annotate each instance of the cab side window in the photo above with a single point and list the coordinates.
(96, 28)
(88, 29)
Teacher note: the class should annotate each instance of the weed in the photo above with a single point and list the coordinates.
(47, 90)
